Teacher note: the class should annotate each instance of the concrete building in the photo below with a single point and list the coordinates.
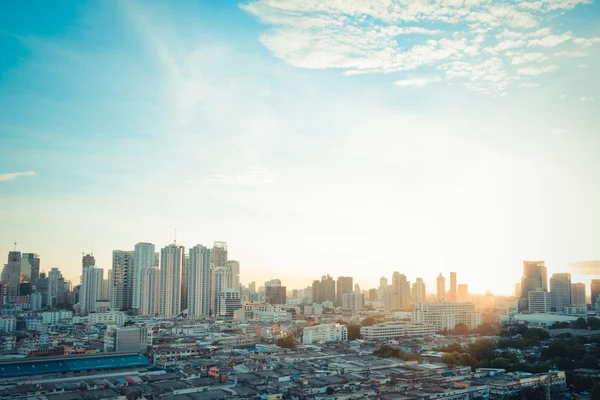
(343, 285)
(445, 316)
(30, 267)
(132, 339)
(218, 254)
(151, 291)
(275, 294)
(323, 290)
(595, 292)
(56, 286)
(171, 265)
(143, 257)
(453, 293)
(234, 266)
(91, 288)
(222, 280)
(353, 301)
(122, 279)
(87, 261)
(539, 301)
(441, 287)
(12, 274)
(418, 294)
(325, 333)
(535, 277)
(401, 287)
(578, 298)
(560, 291)
(229, 301)
(392, 330)
(199, 282)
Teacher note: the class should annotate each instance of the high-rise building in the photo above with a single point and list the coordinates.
(560, 291)
(453, 288)
(13, 274)
(373, 294)
(171, 264)
(418, 291)
(595, 291)
(383, 284)
(401, 287)
(463, 293)
(273, 282)
(252, 287)
(199, 282)
(323, 290)
(223, 279)
(539, 301)
(517, 289)
(91, 288)
(143, 257)
(184, 282)
(344, 285)
(87, 261)
(56, 284)
(535, 277)
(229, 301)
(121, 286)
(578, 295)
(234, 266)
(150, 290)
(275, 294)
(30, 267)
(441, 287)
(353, 301)
(218, 254)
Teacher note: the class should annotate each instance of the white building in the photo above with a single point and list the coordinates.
(54, 317)
(111, 317)
(539, 301)
(171, 264)
(91, 287)
(229, 301)
(446, 315)
(537, 320)
(199, 282)
(234, 266)
(132, 339)
(398, 329)
(143, 257)
(223, 279)
(8, 324)
(353, 301)
(325, 333)
(150, 291)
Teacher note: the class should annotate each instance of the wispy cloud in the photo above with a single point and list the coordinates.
(529, 85)
(14, 175)
(371, 37)
(249, 177)
(419, 82)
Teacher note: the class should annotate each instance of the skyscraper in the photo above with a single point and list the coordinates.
(223, 279)
(401, 287)
(150, 290)
(55, 286)
(535, 277)
(199, 282)
(30, 267)
(91, 288)
(143, 257)
(275, 294)
(218, 254)
(184, 282)
(578, 295)
(418, 291)
(560, 291)
(229, 300)
(234, 266)
(595, 291)
(122, 280)
(453, 289)
(323, 290)
(171, 264)
(13, 274)
(344, 285)
(441, 287)
(87, 261)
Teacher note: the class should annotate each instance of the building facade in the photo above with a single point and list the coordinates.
(171, 265)
(199, 282)
(445, 316)
(143, 257)
(560, 291)
(122, 280)
(151, 291)
(325, 333)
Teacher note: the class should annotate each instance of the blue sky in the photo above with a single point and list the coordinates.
(351, 138)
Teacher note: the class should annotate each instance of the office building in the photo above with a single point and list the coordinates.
(453, 293)
(218, 254)
(323, 290)
(12, 274)
(535, 277)
(121, 286)
(91, 288)
(143, 257)
(324, 333)
(184, 282)
(199, 282)
(171, 264)
(275, 294)
(383, 284)
(131, 339)
(222, 280)
(373, 294)
(87, 261)
(401, 288)
(353, 301)
(234, 266)
(595, 292)
(441, 287)
(394, 330)
(229, 301)
(150, 290)
(343, 285)
(560, 291)
(418, 291)
(56, 286)
(578, 298)
(445, 316)
(30, 267)
(539, 301)
(463, 293)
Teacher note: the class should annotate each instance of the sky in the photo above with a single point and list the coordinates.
(354, 138)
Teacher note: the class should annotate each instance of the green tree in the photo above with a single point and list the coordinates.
(500, 363)
(449, 359)
(466, 360)
(593, 323)
(354, 332)
(580, 323)
(368, 321)
(482, 350)
(287, 341)
(461, 329)
(589, 361)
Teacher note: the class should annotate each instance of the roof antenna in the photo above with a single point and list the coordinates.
(175, 238)
(15, 246)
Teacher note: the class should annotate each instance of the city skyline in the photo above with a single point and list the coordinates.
(443, 139)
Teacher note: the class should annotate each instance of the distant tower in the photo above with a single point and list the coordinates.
(171, 264)
(560, 291)
(143, 257)
(535, 277)
(13, 274)
(234, 266)
(578, 295)
(151, 291)
(453, 287)
(218, 254)
(401, 291)
(91, 288)
(199, 282)
(418, 291)
(122, 279)
(344, 285)
(441, 287)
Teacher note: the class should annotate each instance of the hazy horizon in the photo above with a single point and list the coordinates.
(314, 137)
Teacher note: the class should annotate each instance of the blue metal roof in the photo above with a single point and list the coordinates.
(75, 364)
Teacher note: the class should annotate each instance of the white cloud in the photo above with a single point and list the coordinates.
(530, 85)
(14, 175)
(570, 54)
(419, 82)
(563, 96)
(535, 71)
(249, 177)
(360, 37)
(586, 42)
(586, 98)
